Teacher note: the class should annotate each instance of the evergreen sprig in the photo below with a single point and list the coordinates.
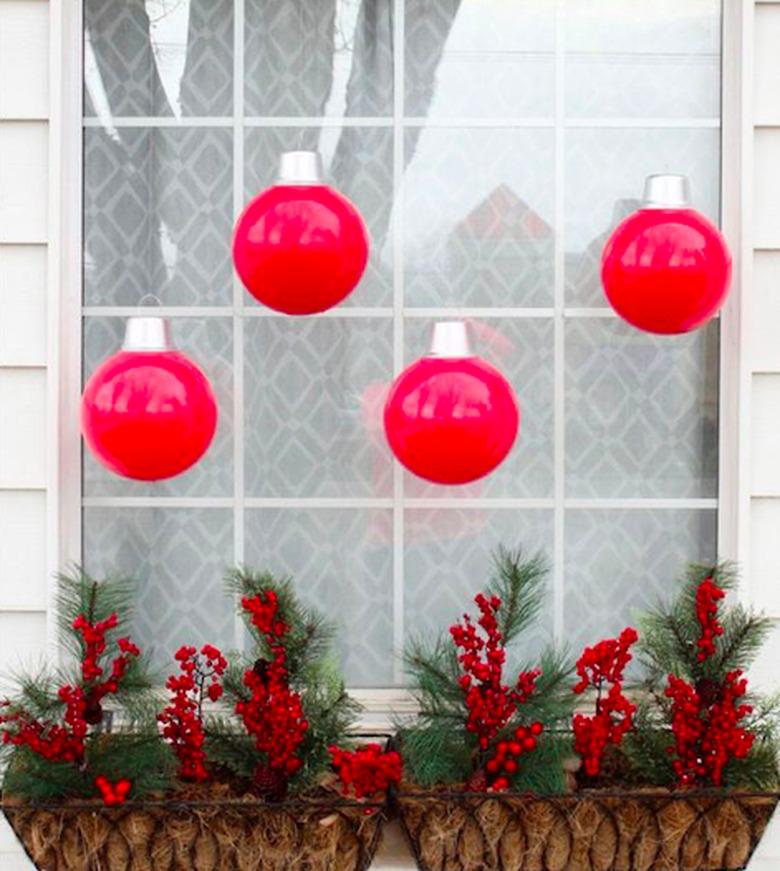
(437, 747)
(136, 753)
(668, 645)
(330, 712)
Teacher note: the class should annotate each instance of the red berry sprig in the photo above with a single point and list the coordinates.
(490, 703)
(600, 666)
(367, 770)
(708, 595)
(65, 742)
(707, 736)
(273, 715)
(503, 765)
(182, 719)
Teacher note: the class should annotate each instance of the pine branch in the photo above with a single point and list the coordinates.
(552, 702)
(79, 593)
(434, 753)
(744, 634)
(520, 584)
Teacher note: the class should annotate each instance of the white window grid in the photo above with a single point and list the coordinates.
(559, 313)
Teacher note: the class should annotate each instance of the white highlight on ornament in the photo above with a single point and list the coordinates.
(300, 167)
(667, 191)
(144, 333)
(450, 340)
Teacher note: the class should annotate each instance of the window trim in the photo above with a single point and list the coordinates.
(65, 311)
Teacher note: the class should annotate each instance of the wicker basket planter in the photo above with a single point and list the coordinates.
(593, 831)
(296, 835)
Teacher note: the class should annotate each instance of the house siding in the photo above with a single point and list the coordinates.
(24, 181)
(26, 500)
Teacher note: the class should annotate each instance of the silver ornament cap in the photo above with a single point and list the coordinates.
(450, 340)
(667, 191)
(300, 167)
(143, 333)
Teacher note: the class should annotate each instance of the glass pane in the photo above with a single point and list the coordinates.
(330, 57)
(605, 173)
(359, 163)
(158, 216)
(641, 411)
(523, 350)
(621, 562)
(661, 62)
(178, 556)
(449, 559)
(479, 217)
(209, 343)
(476, 58)
(314, 395)
(158, 58)
(342, 562)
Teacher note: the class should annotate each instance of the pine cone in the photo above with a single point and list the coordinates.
(477, 782)
(270, 783)
(260, 668)
(708, 690)
(93, 712)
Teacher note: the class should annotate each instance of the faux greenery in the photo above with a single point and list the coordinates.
(437, 747)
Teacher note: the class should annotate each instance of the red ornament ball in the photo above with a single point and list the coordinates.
(300, 248)
(451, 420)
(666, 270)
(148, 415)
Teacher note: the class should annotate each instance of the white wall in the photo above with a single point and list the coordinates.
(24, 160)
(25, 266)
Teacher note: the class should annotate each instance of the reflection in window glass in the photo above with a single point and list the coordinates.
(491, 147)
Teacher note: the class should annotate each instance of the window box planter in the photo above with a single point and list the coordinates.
(635, 830)
(304, 834)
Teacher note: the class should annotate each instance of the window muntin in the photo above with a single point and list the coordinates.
(491, 147)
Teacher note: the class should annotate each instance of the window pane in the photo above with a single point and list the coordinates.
(605, 172)
(319, 58)
(475, 58)
(449, 560)
(344, 561)
(314, 391)
(479, 217)
(619, 562)
(158, 58)
(522, 349)
(158, 216)
(359, 162)
(641, 411)
(661, 63)
(209, 343)
(178, 556)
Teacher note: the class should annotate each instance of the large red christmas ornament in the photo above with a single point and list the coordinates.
(148, 412)
(451, 417)
(666, 268)
(300, 247)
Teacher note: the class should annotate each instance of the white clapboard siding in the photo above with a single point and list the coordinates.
(763, 357)
(24, 206)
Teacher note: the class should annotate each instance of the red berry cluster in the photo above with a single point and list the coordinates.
(182, 719)
(706, 735)
(489, 701)
(367, 770)
(503, 764)
(65, 742)
(273, 715)
(94, 638)
(708, 595)
(600, 666)
(113, 794)
(52, 741)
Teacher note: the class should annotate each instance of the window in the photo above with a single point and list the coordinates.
(491, 147)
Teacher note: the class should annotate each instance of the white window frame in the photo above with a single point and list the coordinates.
(65, 310)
